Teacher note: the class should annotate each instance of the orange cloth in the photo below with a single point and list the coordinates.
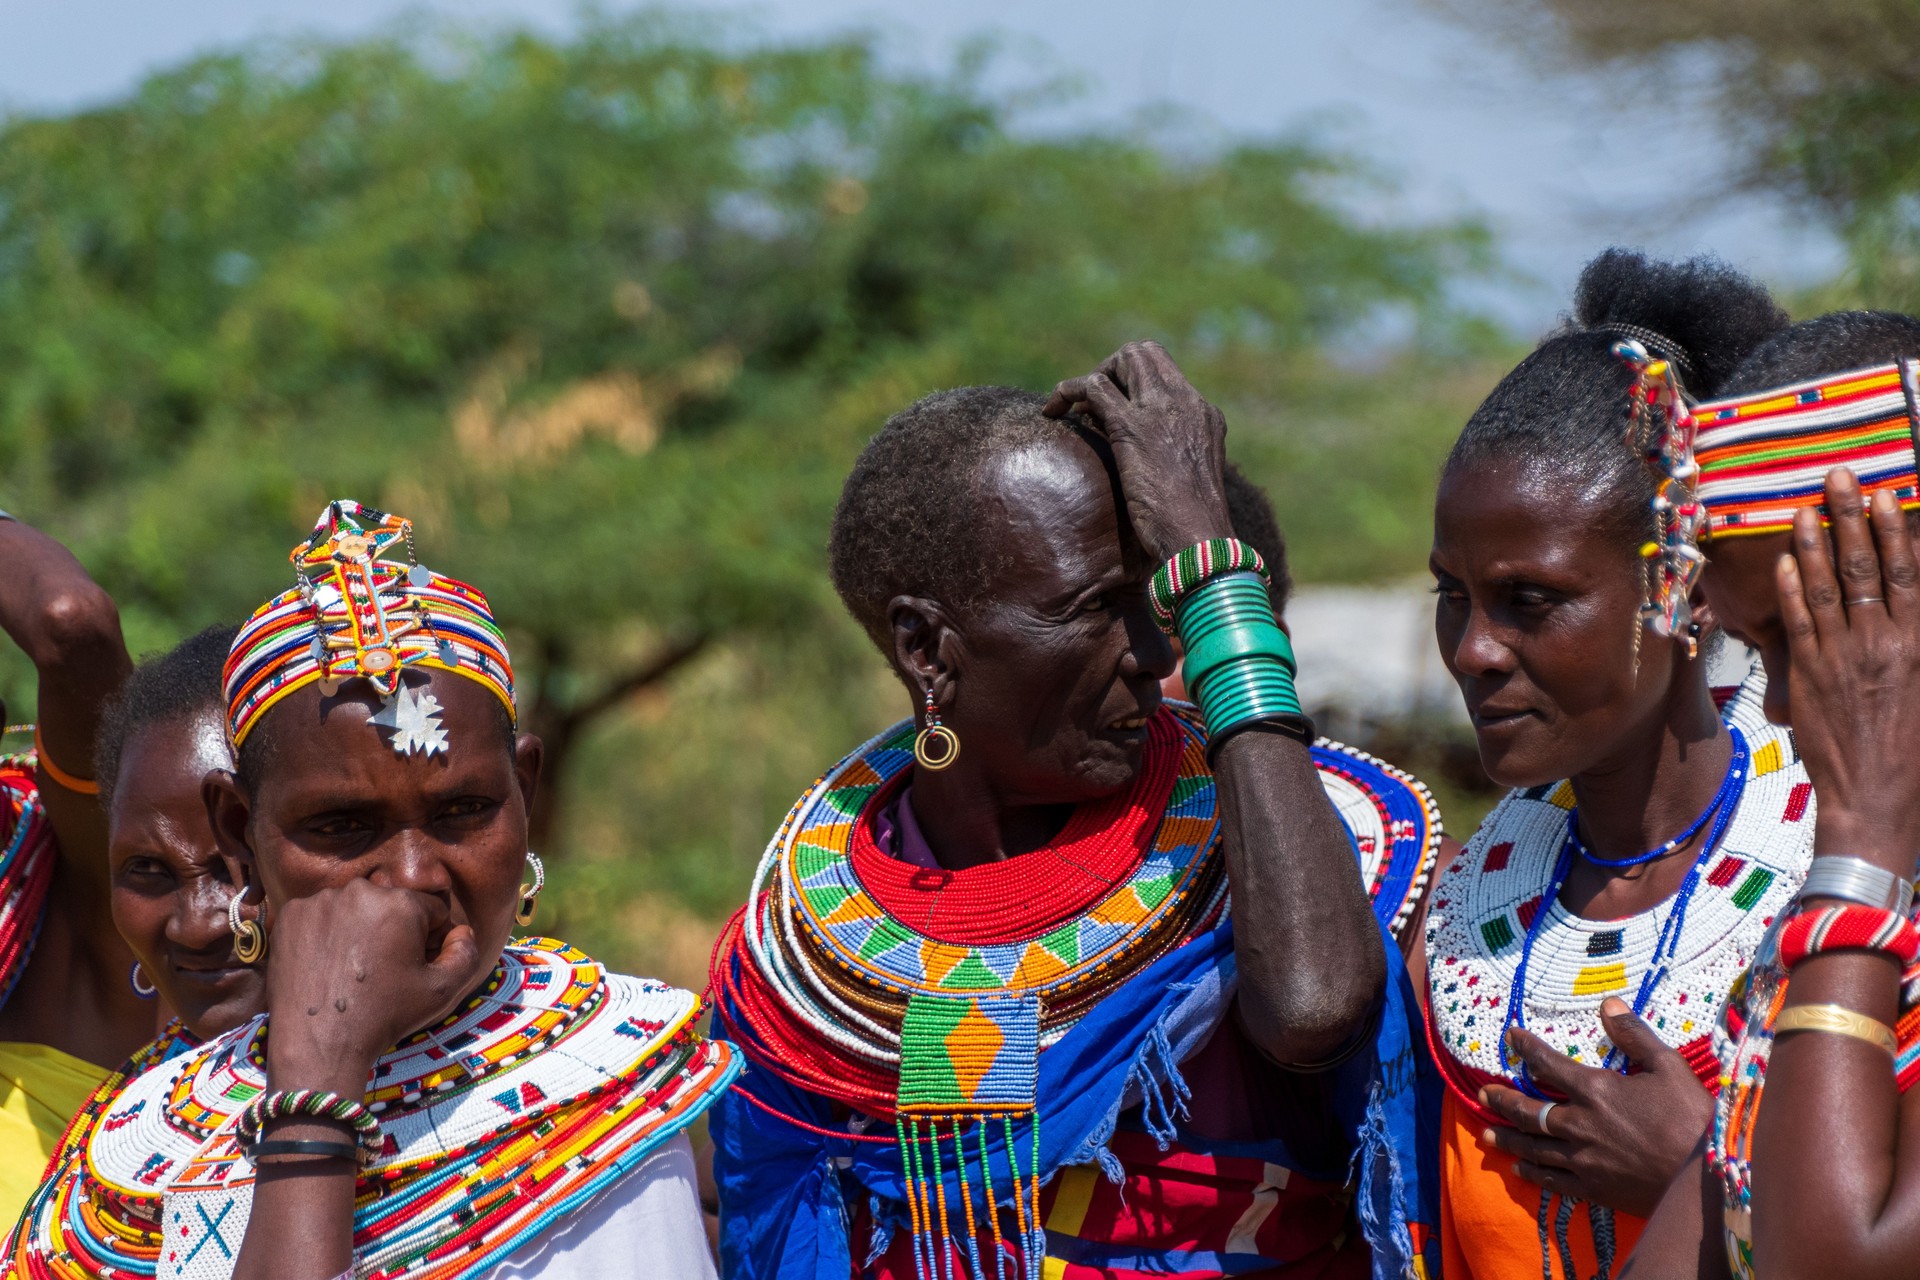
(1490, 1218)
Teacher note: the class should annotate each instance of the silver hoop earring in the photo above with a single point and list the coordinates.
(523, 915)
(141, 987)
(249, 939)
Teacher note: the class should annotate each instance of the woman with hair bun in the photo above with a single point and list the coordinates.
(1580, 949)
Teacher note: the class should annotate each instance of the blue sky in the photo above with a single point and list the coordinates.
(1559, 164)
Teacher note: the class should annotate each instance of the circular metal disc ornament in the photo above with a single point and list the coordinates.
(936, 747)
(420, 576)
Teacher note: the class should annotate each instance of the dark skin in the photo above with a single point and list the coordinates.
(74, 994)
(390, 885)
(1836, 1158)
(1050, 684)
(1538, 593)
(170, 884)
(1412, 950)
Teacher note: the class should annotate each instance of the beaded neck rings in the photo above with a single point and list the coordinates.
(1661, 428)
(354, 614)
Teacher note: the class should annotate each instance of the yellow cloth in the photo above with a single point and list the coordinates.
(44, 1087)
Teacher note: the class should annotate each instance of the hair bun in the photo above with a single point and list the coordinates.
(1702, 313)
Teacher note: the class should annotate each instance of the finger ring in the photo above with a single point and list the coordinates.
(1867, 600)
(1540, 1116)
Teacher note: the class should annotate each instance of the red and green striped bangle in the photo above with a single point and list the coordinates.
(1813, 933)
(1198, 564)
(315, 1103)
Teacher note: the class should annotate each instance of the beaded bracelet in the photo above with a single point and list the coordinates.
(314, 1103)
(1813, 933)
(1193, 568)
(1239, 663)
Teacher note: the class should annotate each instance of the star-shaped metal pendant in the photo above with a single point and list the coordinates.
(414, 717)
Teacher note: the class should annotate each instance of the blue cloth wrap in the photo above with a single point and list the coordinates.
(783, 1190)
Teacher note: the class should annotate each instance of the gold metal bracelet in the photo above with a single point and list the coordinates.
(1837, 1020)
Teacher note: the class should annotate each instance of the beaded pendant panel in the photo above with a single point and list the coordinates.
(1394, 823)
(1487, 899)
(542, 1091)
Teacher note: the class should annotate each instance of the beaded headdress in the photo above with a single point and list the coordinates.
(1764, 456)
(353, 613)
(1661, 427)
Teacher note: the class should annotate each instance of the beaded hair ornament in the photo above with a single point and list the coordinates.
(1764, 456)
(1661, 427)
(354, 614)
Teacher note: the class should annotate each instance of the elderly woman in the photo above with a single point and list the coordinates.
(421, 1098)
(1580, 949)
(1812, 1168)
(998, 1017)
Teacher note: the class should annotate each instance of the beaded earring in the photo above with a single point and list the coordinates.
(523, 914)
(141, 987)
(249, 939)
(936, 746)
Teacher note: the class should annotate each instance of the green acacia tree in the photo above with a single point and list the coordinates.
(610, 315)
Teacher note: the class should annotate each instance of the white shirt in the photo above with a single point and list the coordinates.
(647, 1224)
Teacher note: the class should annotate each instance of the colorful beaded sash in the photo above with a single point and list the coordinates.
(1488, 898)
(1764, 456)
(26, 868)
(1748, 1027)
(1394, 822)
(526, 1105)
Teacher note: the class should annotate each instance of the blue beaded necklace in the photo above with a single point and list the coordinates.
(1725, 802)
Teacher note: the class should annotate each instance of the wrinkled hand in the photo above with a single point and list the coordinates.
(1168, 443)
(1616, 1140)
(1855, 690)
(349, 975)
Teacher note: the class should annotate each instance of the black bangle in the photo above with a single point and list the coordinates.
(306, 1147)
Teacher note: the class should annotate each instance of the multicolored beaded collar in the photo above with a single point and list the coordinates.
(527, 1104)
(1485, 903)
(1394, 823)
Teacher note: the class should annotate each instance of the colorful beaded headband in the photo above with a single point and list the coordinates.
(1662, 428)
(1764, 456)
(352, 614)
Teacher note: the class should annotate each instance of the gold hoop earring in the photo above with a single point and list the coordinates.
(523, 914)
(936, 746)
(249, 939)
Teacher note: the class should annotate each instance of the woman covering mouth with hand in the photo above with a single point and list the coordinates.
(1598, 918)
(422, 1097)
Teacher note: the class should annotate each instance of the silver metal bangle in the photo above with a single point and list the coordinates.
(1857, 880)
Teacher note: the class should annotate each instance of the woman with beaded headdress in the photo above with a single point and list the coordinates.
(1580, 949)
(1810, 484)
(999, 1019)
(422, 1097)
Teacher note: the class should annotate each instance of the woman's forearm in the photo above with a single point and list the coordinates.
(1834, 1192)
(1310, 955)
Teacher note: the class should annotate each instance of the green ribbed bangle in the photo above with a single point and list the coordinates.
(1239, 663)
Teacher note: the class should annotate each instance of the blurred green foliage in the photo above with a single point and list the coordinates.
(609, 317)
